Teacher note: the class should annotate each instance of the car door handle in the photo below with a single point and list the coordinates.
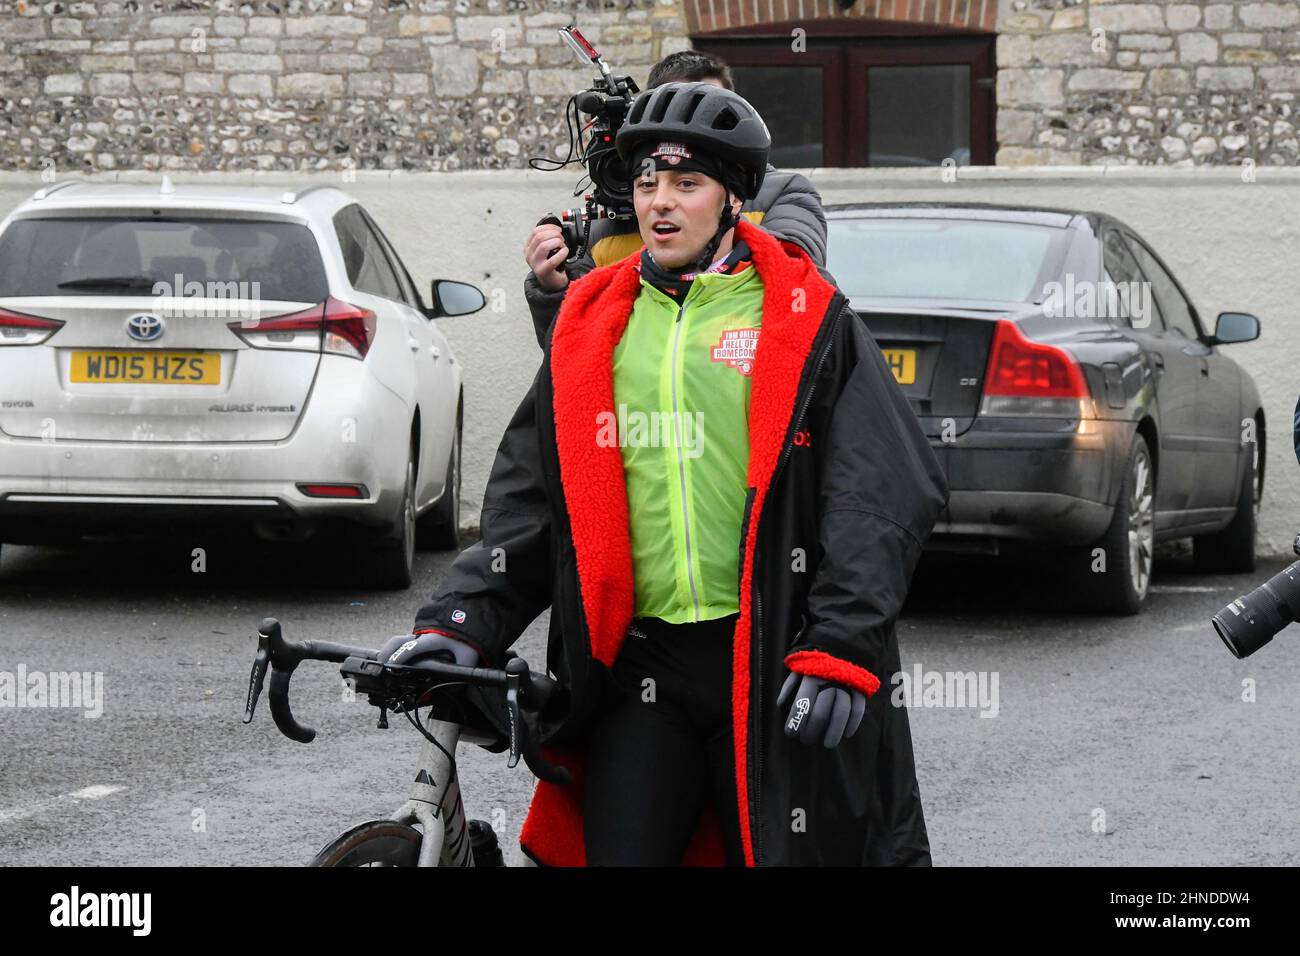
(1158, 360)
(415, 346)
(435, 352)
(1205, 368)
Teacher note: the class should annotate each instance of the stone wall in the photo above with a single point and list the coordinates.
(367, 84)
(482, 84)
(1148, 83)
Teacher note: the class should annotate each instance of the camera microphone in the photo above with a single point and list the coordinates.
(590, 101)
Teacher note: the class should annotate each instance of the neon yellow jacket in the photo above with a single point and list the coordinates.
(681, 391)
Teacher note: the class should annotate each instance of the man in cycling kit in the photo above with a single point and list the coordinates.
(788, 206)
(721, 492)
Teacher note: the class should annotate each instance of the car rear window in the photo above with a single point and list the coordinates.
(63, 256)
(942, 258)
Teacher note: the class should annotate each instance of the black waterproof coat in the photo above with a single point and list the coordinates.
(844, 490)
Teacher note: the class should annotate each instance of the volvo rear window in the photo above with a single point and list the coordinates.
(190, 257)
(943, 258)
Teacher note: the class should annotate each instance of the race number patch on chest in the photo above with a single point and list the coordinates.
(736, 348)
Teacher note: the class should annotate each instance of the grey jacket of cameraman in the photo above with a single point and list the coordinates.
(788, 206)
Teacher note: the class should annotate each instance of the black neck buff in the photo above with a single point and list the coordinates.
(677, 284)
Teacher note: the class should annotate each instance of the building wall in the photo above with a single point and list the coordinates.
(364, 84)
(1170, 84)
(442, 85)
(328, 90)
(1227, 236)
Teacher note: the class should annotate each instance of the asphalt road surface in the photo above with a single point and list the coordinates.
(1109, 741)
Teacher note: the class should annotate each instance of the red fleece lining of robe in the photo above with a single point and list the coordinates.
(821, 664)
(590, 324)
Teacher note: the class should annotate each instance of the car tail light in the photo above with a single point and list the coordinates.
(318, 490)
(349, 329)
(17, 328)
(1031, 378)
(295, 331)
(333, 326)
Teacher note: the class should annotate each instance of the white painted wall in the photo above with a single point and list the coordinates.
(1234, 245)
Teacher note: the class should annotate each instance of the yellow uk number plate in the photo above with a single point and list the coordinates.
(902, 362)
(146, 368)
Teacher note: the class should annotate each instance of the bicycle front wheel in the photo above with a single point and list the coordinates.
(377, 843)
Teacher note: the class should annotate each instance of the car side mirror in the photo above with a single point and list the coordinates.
(455, 298)
(1235, 327)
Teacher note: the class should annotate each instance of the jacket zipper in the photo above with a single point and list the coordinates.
(758, 596)
(681, 466)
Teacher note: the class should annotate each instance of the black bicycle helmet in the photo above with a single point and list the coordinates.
(718, 121)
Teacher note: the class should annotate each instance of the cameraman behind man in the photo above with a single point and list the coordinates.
(788, 207)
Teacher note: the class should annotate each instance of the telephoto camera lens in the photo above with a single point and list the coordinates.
(1250, 622)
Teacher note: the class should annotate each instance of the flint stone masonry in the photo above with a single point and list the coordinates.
(1079, 95)
(350, 84)
(413, 84)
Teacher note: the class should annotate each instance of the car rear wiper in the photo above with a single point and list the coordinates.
(109, 282)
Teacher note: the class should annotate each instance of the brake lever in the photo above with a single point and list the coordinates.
(255, 680)
(521, 740)
(516, 668)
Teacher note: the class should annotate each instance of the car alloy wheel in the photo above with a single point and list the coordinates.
(1141, 523)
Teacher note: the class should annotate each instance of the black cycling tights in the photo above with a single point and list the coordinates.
(657, 759)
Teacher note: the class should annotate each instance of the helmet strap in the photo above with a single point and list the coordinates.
(726, 222)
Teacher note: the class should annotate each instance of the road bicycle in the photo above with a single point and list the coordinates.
(496, 709)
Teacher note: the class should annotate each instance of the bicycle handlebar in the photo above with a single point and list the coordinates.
(284, 656)
(525, 692)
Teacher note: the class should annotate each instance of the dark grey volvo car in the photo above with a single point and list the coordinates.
(1070, 389)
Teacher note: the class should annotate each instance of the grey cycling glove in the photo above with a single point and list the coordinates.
(822, 710)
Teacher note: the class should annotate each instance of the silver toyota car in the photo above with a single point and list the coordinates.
(244, 354)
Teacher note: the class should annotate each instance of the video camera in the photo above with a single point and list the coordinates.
(607, 103)
(1251, 621)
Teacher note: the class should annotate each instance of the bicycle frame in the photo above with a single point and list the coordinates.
(435, 802)
(438, 808)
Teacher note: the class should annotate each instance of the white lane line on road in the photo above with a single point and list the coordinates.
(1186, 588)
(93, 792)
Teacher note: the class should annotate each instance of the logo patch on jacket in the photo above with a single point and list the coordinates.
(736, 348)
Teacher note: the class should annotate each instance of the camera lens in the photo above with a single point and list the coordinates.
(1251, 621)
(611, 174)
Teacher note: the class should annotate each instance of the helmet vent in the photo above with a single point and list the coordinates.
(638, 110)
(661, 106)
(726, 119)
(692, 106)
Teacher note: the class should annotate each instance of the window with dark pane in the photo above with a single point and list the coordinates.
(782, 96)
(918, 115)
